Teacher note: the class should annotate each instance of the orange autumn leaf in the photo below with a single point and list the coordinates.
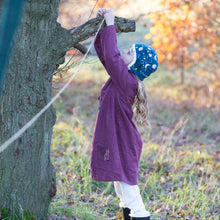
(196, 54)
(147, 36)
(169, 56)
(181, 214)
(118, 215)
(153, 30)
(198, 71)
(216, 84)
(77, 130)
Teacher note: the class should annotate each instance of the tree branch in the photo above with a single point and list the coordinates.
(83, 49)
(89, 28)
(68, 38)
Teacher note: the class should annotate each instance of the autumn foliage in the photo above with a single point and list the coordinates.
(186, 34)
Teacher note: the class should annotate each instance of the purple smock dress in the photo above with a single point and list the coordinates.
(117, 144)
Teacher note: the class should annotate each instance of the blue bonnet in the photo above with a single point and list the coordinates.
(145, 61)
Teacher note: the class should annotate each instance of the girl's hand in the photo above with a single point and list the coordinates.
(109, 17)
(100, 12)
(108, 14)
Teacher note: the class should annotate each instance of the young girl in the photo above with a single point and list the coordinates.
(117, 144)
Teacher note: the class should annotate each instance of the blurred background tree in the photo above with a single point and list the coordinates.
(187, 34)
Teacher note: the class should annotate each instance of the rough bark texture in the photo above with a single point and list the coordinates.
(27, 176)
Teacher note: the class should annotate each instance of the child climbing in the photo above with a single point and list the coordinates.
(117, 144)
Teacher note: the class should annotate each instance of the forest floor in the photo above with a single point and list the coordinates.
(180, 162)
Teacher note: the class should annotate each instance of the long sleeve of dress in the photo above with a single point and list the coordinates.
(98, 49)
(113, 62)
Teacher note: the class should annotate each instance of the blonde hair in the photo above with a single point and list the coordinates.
(140, 106)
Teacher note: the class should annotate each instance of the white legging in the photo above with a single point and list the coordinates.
(130, 197)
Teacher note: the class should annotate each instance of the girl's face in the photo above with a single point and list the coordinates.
(127, 55)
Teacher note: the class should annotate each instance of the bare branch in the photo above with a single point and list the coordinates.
(81, 48)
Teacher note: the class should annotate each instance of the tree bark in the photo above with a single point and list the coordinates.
(27, 176)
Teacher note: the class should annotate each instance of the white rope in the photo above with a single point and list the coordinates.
(26, 126)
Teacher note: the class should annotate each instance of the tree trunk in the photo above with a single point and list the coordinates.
(27, 176)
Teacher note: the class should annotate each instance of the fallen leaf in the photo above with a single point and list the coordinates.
(77, 130)
(69, 108)
(118, 215)
(181, 214)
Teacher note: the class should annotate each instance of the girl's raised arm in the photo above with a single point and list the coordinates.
(114, 64)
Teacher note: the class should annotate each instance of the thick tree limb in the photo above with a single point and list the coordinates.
(68, 38)
(89, 28)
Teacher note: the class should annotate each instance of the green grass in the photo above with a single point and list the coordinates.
(5, 215)
(179, 167)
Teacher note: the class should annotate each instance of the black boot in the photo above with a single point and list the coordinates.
(126, 212)
(140, 218)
